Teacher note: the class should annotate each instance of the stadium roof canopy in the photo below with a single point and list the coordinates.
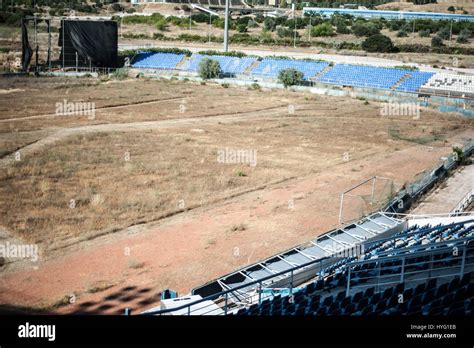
(387, 14)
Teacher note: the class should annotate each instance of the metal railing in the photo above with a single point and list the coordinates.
(443, 260)
(253, 292)
(257, 291)
(419, 187)
(463, 203)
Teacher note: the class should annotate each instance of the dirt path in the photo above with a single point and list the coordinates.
(129, 269)
(62, 134)
(447, 196)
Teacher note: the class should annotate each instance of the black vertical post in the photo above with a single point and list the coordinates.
(37, 46)
(48, 22)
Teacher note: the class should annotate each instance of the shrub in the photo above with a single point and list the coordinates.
(341, 28)
(464, 36)
(242, 28)
(462, 39)
(117, 7)
(466, 32)
(365, 29)
(424, 33)
(290, 77)
(269, 24)
(324, 29)
(228, 54)
(378, 43)
(444, 33)
(255, 86)
(436, 41)
(402, 33)
(209, 69)
(285, 32)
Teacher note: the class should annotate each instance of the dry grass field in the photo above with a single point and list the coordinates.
(145, 159)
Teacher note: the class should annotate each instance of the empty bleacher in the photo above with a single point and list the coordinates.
(414, 272)
(414, 81)
(448, 84)
(340, 74)
(362, 76)
(229, 65)
(270, 68)
(157, 60)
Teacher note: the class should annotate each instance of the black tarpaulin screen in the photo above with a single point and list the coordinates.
(95, 43)
(26, 51)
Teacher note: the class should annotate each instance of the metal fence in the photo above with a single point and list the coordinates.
(415, 190)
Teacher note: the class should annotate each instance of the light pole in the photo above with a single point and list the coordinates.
(190, 14)
(310, 26)
(294, 19)
(226, 27)
(451, 34)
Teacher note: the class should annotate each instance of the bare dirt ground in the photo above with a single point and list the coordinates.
(154, 208)
(441, 6)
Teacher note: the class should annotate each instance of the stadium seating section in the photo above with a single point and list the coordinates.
(272, 67)
(158, 60)
(229, 65)
(339, 74)
(376, 285)
(362, 76)
(452, 83)
(415, 80)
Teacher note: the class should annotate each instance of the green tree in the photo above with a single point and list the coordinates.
(378, 43)
(451, 9)
(290, 77)
(209, 69)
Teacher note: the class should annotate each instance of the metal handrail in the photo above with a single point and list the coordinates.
(291, 271)
(402, 274)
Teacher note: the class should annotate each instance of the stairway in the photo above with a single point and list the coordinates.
(251, 67)
(315, 77)
(399, 82)
(182, 63)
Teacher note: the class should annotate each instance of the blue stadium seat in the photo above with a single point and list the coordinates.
(270, 67)
(229, 65)
(157, 60)
(362, 76)
(414, 82)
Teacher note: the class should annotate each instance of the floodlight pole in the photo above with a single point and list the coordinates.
(294, 19)
(451, 34)
(226, 27)
(63, 48)
(310, 26)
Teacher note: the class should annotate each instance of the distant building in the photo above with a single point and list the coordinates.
(328, 12)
